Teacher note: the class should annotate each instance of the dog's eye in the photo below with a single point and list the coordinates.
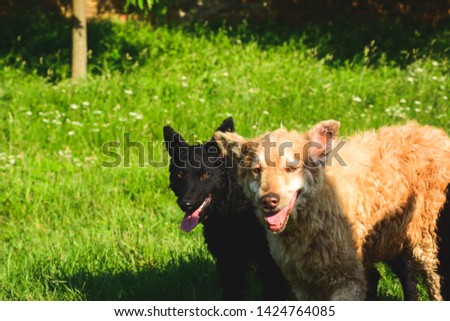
(256, 170)
(180, 175)
(204, 176)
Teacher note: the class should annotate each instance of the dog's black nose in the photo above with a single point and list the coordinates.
(188, 205)
(270, 201)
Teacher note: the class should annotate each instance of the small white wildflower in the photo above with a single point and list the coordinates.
(128, 91)
(29, 113)
(45, 120)
(42, 113)
(139, 116)
(73, 106)
(202, 100)
(410, 79)
(60, 153)
(183, 78)
(117, 107)
(122, 119)
(228, 114)
(356, 99)
(165, 111)
(97, 112)
(265, 112)
(105, 125)
(155, 97)
(445, 97)
(434, 78)
(168, 121)
(184, 84)
(416, 102)
(95, 130)
(254, 90)
(132, 114)
(20, 156)
(435, 63)
(77, 123)
(402, 100)
(12, 161)
(56, 122)
(11, 156)
(225, 74)
(254, 127)
(417, 110)
(85, 103)
(419, 70)
(71, 133)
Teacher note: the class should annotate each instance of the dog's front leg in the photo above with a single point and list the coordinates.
(350, 290)
(232, 276)
(300, 293)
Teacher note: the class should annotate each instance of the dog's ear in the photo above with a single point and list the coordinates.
(321, 137)
(227, 126)
(173, 140)
(230, 144)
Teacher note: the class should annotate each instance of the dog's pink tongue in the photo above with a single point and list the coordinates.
(190, 221)
(277, 221)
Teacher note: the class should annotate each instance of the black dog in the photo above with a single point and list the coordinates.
(443, 227)
(207, 190)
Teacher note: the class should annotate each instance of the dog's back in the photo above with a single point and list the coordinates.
(394, 171)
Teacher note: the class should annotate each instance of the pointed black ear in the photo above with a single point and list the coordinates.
(173, 140)
(227, 126)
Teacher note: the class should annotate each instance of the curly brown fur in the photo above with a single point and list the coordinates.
(343, 218)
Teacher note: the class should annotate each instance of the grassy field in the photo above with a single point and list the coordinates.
(71, 229)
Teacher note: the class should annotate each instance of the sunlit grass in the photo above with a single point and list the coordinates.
(74, 230)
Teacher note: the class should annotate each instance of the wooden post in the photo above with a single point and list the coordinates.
(79, 40)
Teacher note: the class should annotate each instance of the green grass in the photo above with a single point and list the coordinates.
(71, 229)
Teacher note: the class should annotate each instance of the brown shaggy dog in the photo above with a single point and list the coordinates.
(334, 208)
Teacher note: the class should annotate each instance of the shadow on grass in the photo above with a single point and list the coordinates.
(40, 42)
(184, 279)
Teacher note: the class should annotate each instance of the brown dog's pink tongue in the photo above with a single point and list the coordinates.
(190, 221)
(276, 222)
(277, 218)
